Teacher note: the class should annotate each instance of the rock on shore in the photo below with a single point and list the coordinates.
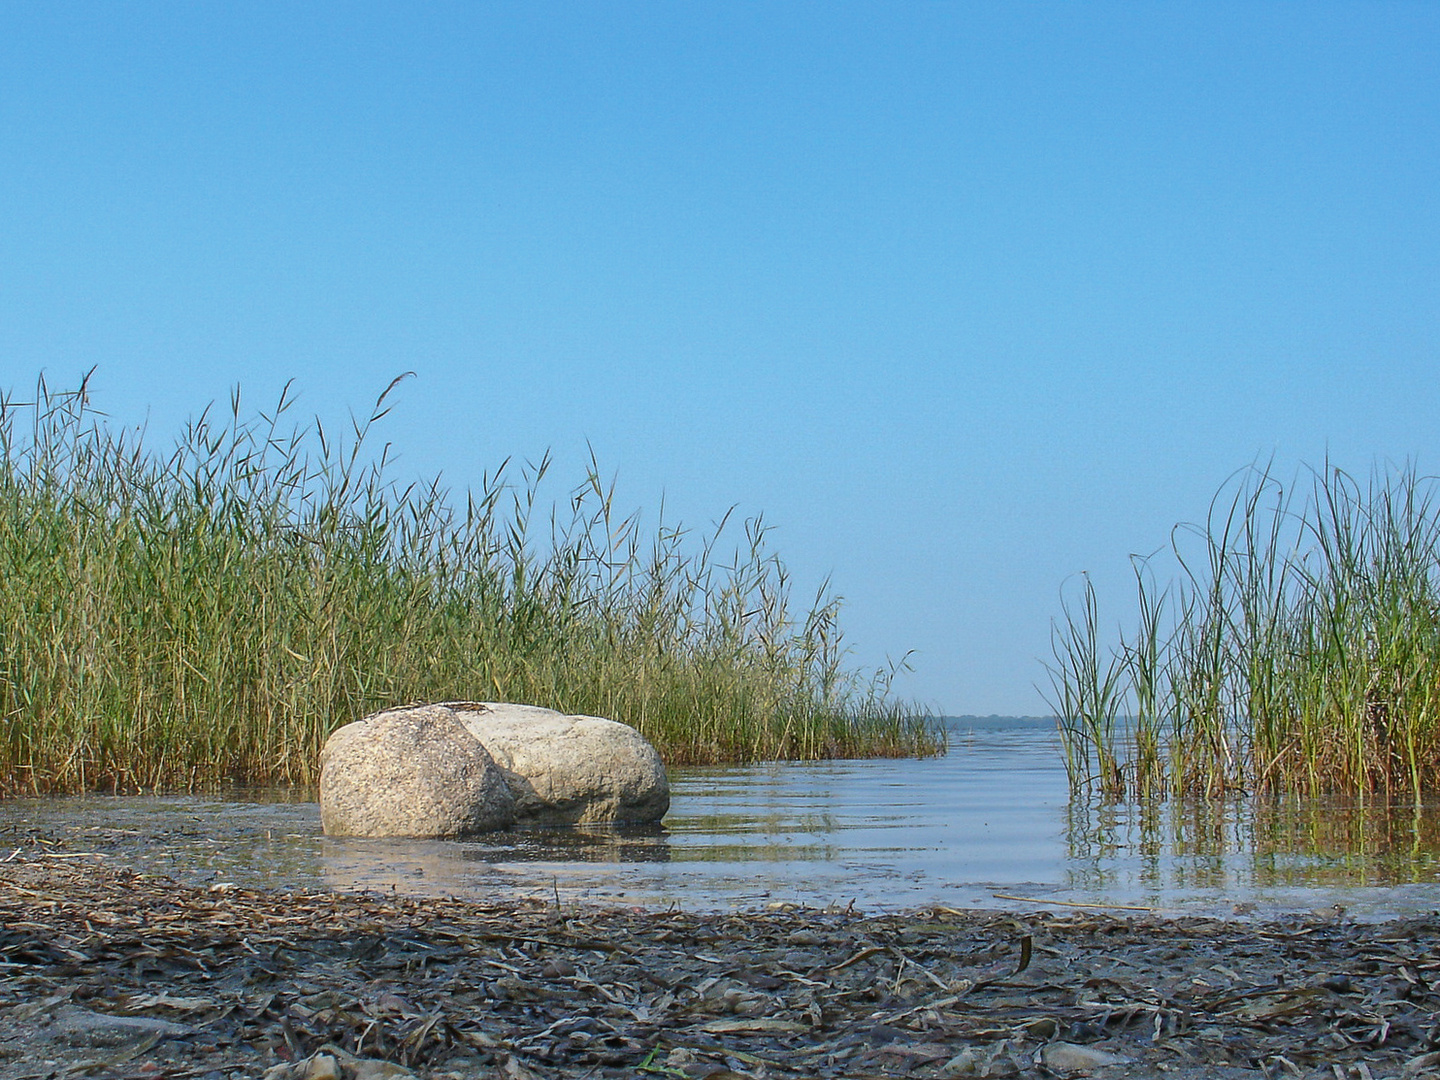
(411, 772)
(456, 768)
(570, 769)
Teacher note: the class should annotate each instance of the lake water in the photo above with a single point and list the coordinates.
(991, 819)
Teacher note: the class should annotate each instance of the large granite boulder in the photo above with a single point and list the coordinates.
(570, 770)
(410, 772)
(465, 767)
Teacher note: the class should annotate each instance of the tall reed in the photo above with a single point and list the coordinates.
(208, 614)
(1301, 651)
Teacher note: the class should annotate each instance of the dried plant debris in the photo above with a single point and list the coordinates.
(110, 974)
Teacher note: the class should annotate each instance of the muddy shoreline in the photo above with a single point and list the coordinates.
(105, 972)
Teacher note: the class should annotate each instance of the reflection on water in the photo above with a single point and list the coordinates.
(448, 867)
(1259, 844)
(993, 816)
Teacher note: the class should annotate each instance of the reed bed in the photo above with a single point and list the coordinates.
(1296, 649)
(206, 615)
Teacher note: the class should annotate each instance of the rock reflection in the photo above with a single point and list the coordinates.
(587, 843)
(476, 865)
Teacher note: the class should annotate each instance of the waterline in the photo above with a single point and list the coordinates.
(993, 816)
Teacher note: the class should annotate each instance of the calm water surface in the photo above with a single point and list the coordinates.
(994, 816)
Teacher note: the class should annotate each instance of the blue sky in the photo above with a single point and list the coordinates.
(965, 298)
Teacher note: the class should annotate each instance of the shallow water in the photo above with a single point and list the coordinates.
(994, 816)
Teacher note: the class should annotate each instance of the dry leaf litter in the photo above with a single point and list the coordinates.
(112, 974)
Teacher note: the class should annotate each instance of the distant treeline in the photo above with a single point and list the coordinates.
(999, 718)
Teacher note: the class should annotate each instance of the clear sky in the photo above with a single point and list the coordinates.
(965, 297)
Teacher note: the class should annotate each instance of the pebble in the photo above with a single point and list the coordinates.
(973, 1061)
(1068, 1057)
(965, 1063)
(83, 1027)
(334, 1064)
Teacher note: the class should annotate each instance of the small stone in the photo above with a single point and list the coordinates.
(1070, 1058)
(322, 1067)
(334, 1064)
(391, 1004)
(1047, 1027)
(965, 1063)
(995, 1061)
(82, 1027)
(1000, 1065)
(1339, 984)
(370, 1069)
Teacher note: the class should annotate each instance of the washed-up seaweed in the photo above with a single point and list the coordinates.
(108, 973)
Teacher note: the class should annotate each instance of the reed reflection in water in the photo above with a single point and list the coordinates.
(1245, 844)
(994, 816)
